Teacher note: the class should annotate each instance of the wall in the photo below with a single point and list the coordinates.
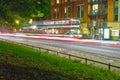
(110, 10)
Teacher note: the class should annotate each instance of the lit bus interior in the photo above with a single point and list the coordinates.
(68, 26)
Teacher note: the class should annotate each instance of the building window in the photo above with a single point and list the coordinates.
(56, 1)
(95, 8)
(80, 12)
(67, 12)
(68, 0)
(103, 10)
(56, 15)
(116, 10)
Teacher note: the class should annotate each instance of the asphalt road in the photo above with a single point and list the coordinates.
(109, 51)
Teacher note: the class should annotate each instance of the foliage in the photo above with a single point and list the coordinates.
(27, 63)
(23, 10)
(45, 9)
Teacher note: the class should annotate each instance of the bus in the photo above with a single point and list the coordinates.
(67, 26)
(60, 26)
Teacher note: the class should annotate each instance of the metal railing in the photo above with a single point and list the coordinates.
(109, 66)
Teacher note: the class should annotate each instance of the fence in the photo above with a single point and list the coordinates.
(70, 56)
(78, 57)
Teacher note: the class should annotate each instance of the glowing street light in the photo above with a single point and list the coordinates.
(30, 21)
(17, 21)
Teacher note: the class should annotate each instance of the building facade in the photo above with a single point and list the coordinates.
(99, 19)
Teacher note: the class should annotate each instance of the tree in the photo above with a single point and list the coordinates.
(23, 10)
(45, 8)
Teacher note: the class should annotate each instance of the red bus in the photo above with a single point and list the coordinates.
(60, 26)
(69, 26)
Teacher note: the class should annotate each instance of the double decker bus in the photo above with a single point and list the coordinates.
(68, 26)
(60, 26)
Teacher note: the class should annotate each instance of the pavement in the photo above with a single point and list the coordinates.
(67, 38)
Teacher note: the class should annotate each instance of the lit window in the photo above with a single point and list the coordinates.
(67, 12)
(95, 7)
(56, 15)
(57, 1)
(80, 12)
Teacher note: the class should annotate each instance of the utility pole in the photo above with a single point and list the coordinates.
(119, 30)
(119, 17)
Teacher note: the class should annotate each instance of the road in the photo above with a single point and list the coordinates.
(110, 51)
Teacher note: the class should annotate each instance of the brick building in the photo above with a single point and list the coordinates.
(99, 18)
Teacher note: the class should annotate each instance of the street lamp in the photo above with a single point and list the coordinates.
(30, 21)
(17, 21)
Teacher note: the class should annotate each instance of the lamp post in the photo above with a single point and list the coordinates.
(16, 22)
(119, 30)
(119, 20)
